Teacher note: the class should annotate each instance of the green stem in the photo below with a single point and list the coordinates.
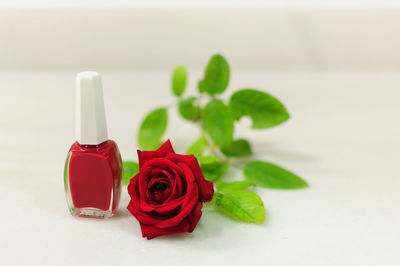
(211, 146)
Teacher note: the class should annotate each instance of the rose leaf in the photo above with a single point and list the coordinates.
(178, 82)
(130, 169)
(213, 171)
(264, 109)
(152, 129)
(241, 204)
(188, 109)
(218, 122)
(268, 175)
(238, 148)
(207, 159)
(236, 185)
(216, 76)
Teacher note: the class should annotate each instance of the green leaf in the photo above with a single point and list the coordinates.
(152, 129)
(188, 109)
(218, 122)
(130, 169)
(237, 185)
(213, 171)
(238, 148)
(216, 76)
(264, 109)
(269, 175)
(241, 204)
(207, 159)
(197, 147)
(179, 77)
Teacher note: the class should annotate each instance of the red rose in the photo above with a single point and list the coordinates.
(167, 193)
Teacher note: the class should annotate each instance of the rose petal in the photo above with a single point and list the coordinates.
(149, 167)
(175, 189)
(158, 196)
(134, 204)
(156, 181)
(150, 231)
(133, 189)
(170, 176)
(145, 173)
(172, 179)
(161, 152)
(160, 164)
(194, 217)
(143, 217)
(189, 203)
(178, 189)
(157, 173)
(186, 226)
(206, 187)
(165, 209)
(143, 182)
(159, 179)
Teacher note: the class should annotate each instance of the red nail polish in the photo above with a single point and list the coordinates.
(93, 170)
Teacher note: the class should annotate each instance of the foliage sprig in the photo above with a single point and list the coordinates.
(215, 146)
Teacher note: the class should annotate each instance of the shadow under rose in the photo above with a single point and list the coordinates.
(212, 225)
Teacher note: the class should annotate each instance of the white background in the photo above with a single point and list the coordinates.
(158, 34)
(343, 137)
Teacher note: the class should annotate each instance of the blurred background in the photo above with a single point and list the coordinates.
(157, 34)
(270, 44)
(335, 64)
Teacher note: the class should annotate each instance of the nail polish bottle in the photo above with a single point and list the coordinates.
(93, 170)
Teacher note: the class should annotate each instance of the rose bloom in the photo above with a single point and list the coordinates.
(168, 192)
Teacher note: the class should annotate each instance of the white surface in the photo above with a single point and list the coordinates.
(343, 138)
(90, 116)
(274, 34)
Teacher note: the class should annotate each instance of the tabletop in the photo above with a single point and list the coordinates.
(343, 138)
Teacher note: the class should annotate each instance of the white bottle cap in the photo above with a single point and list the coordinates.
(91, 127)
